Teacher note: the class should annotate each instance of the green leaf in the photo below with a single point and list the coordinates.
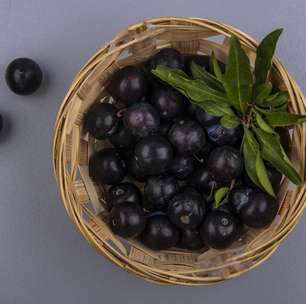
(219, 195)
(276, 100)
(272, 151)
(281, 165)
(262, 175)
(282, 119)
(216, 109)
(215, 66)
(285, 156)
(263, 124)
(265, 52)
(181, 73)
(261, 92)
(263, 111)
(200, 73)
(282, 108)
(195, 90)
(250, 151)
(237, 79)
(230, 121)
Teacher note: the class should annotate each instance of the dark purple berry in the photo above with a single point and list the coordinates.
(186, 210)
(122, 138)
(191, 240)
(168, 102)
(203, 180)
(141, 119)
(204, 118)
(168, 57)
(128, 84)
(23, 76)
(240, 196)
(135, 170)
(187, 137)
(101, 120)
(123, 192)
(224, 136)
(127, 220)
(225, 163)
(182, 167)
(160, 233)
(107, 167)
(154, 154)
(255, 208)
(159, 190)
(220, 229)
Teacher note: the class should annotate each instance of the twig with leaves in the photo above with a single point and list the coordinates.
(244, 97)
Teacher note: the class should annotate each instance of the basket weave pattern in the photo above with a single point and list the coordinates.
(85, 200)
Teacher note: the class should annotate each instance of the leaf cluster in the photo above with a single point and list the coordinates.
(242, 96)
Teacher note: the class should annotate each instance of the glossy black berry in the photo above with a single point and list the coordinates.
(240, 196)
(187, 137)
(122, 138)
(168, 57)
(127, 220)
(220, 135)
(225, 163)
(191, 240)
(160, 233)
(169, 103)
(220, 229)
(154, 154)
(23, 76)
(186, 210)
(123, 192)
(128, 84)
(107, 167)
(141, 119)
(159, 190)
(255, 208)
(135, 170)
(182, 167)
(101, 120)
(203, 180)
(204, 118)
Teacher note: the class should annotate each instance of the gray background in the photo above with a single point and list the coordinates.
(43, 258)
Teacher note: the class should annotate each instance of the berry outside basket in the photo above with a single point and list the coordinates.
(85, 201)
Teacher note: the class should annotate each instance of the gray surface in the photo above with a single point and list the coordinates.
(43, 258)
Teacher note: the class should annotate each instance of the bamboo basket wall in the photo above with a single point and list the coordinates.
(85, 201)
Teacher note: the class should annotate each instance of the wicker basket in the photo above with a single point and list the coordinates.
(84, 200)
